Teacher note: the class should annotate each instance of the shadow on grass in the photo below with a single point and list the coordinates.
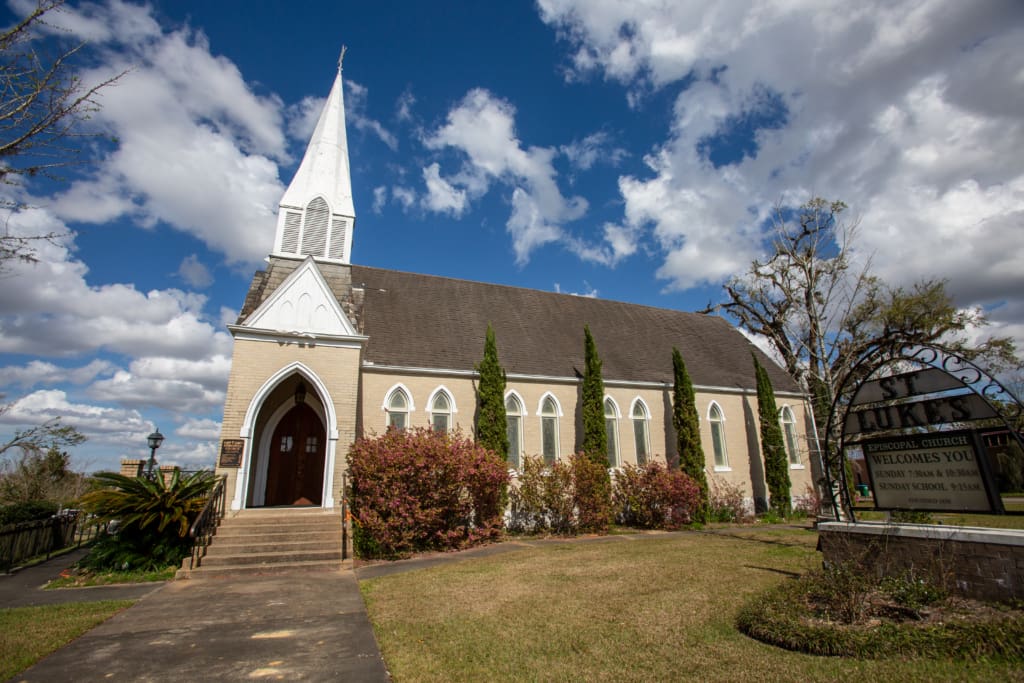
(775, 570)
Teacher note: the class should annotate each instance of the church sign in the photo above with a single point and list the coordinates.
(938, 471)
(919, 434)
(898, 402)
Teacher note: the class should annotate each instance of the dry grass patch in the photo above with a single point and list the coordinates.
(626, 608)
(27, 634)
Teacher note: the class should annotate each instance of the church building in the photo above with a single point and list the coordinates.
(327, 351)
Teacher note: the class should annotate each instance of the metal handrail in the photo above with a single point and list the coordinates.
(344, 517)
(205, 527)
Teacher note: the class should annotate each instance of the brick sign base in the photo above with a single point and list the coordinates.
(987, 564)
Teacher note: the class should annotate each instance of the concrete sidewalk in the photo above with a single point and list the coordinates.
(24, 588)
(296, 627)
(293, 627)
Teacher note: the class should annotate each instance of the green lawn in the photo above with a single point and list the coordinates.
(80, 578)
(658, 607)
(27, 634)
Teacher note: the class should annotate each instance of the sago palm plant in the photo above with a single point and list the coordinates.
(152, 516)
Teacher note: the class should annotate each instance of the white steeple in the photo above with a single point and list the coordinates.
(316, 216)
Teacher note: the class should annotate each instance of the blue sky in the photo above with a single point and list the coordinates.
(626, 151)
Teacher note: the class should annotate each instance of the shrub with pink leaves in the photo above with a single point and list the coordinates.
(654, 497)
(418, 489)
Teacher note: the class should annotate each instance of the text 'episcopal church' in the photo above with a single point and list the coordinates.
(326, 351)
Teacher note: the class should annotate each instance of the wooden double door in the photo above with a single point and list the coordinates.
(295, 471)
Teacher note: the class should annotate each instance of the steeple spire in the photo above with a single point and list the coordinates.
(316, 216)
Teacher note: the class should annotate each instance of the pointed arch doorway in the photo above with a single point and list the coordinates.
(295, 467)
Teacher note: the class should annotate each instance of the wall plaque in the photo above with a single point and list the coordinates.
(231, 452)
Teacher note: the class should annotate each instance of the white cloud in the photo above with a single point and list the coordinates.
(189, 455)
(594, 148)
(108, 425)
(587, 293)
(49, 308)
(355, 115)
(405, 196)
(41, 372)
(380, 198)
(403, 107)
(97, 23)
(218, 180)
(194, 273)
(129, 389)
(482, 127)
(199, 429)
(174, 384)
(302, 117)
(910, 112)
(441, 195)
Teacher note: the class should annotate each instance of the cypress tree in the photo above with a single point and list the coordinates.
(687, 426)
(776, 464)
(595, 438)
(491, 426)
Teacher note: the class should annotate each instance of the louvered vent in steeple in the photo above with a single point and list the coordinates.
(338, 225)
(314, 234)
(290, 238)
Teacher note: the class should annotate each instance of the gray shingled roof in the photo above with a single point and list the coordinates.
(426, 321)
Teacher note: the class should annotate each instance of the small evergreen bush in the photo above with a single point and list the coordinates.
(17, 513)
(654, 497)
(419, 489)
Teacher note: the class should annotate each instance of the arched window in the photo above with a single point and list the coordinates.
(641, 431)
(717, 420)
(789, 429)
(441, 411)
(611, 426)
(514, 425)
(549, 429)
(398, 409)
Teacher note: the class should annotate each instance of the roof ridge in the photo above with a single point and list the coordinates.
(533, 290)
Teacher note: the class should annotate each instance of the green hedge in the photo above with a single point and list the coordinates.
(17, 513)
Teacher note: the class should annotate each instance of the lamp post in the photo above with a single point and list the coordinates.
(154, 440)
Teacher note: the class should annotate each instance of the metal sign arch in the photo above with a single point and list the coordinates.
(1002, 406)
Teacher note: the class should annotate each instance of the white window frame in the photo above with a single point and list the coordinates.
(386, 405)
(513, 395)
(547, 416)
(720, 440)
(790, 436)
(614, 453)
(645, 425)
(449, 414)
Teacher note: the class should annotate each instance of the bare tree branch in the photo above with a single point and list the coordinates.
(43, 104)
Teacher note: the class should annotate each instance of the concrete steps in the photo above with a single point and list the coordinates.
(272, 541)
